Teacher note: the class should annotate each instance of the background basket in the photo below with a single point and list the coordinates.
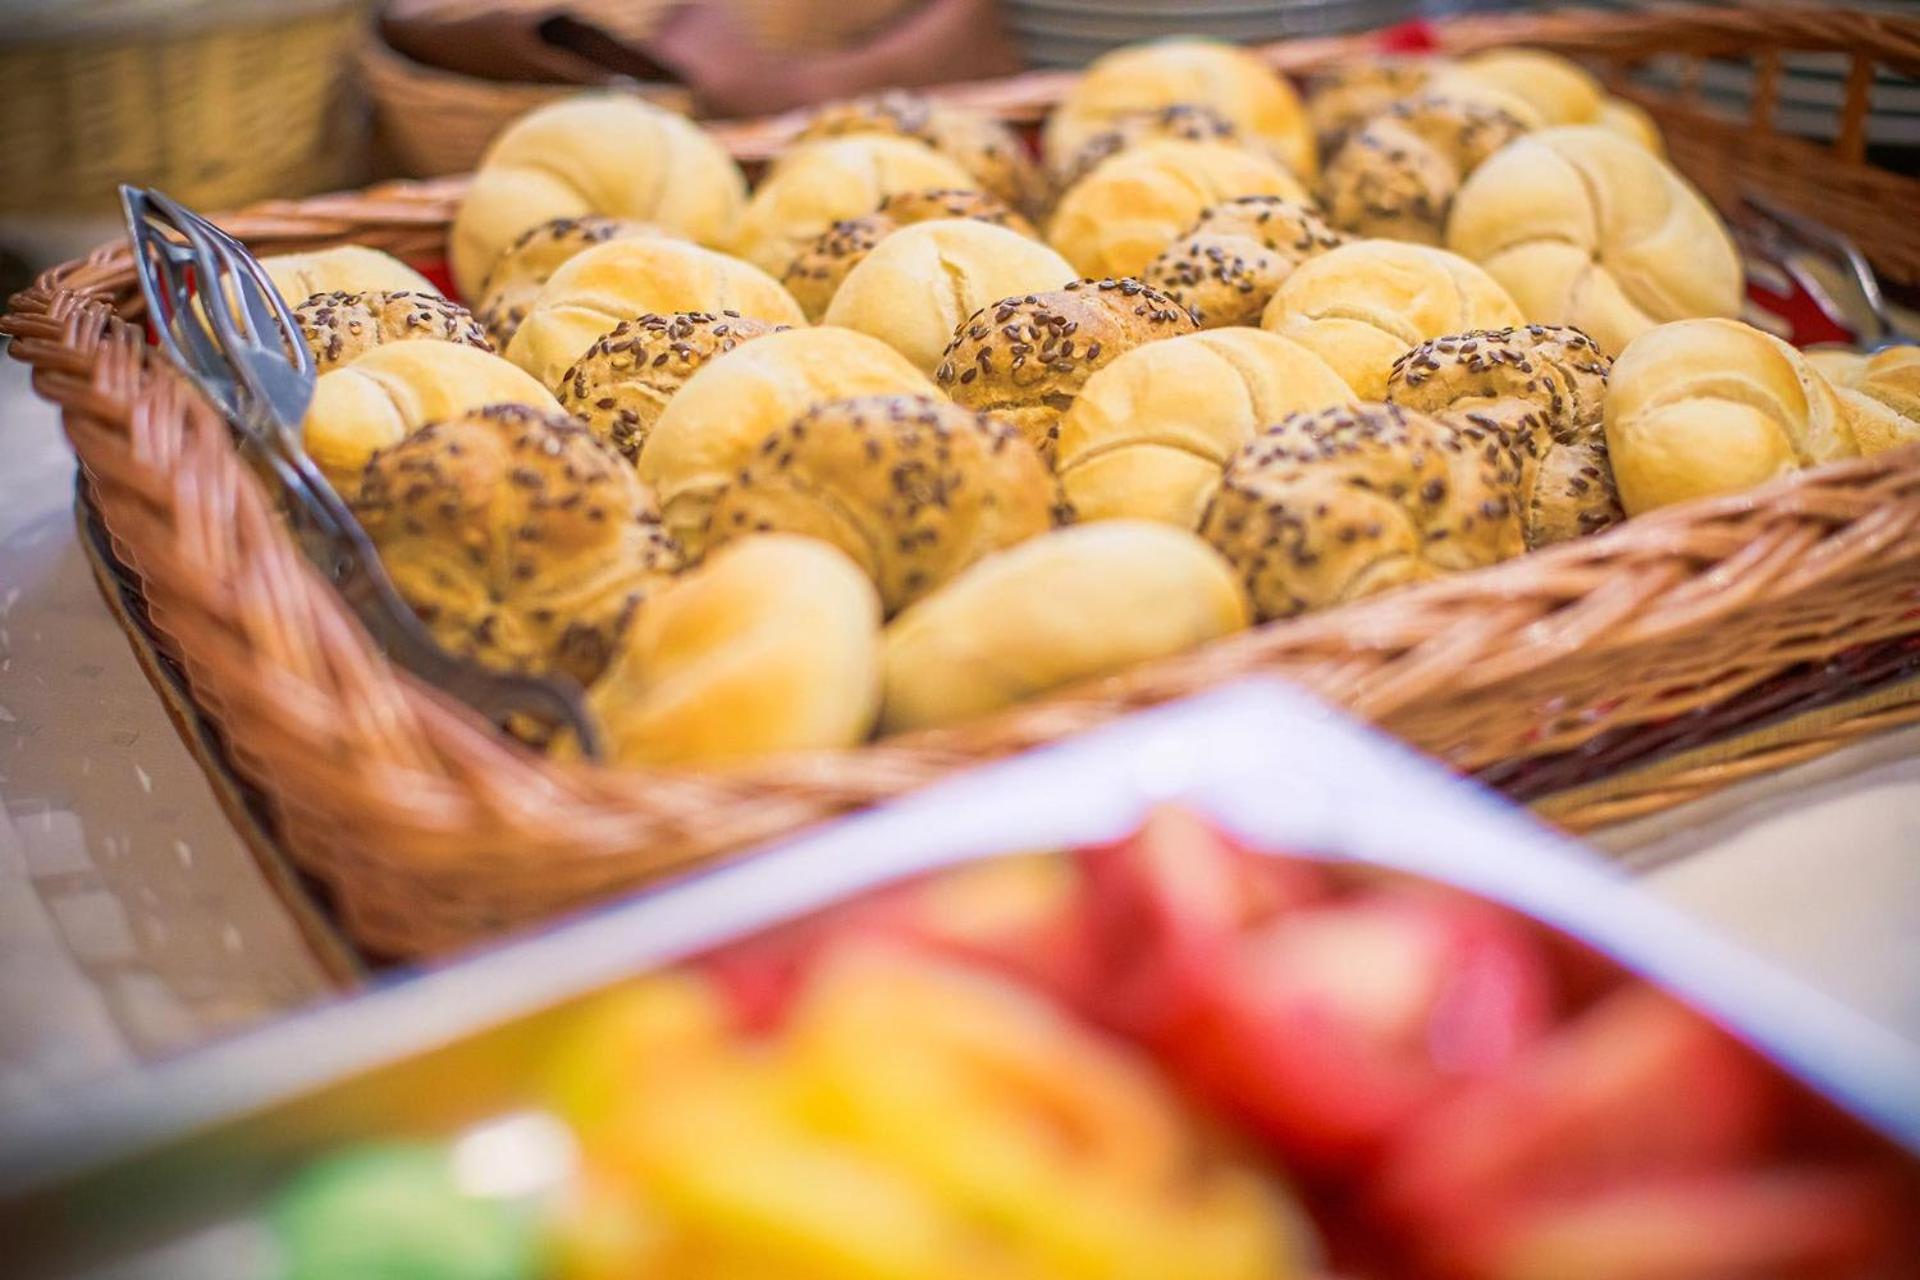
(431, 830)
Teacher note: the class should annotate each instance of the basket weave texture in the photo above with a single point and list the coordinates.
(431, 830)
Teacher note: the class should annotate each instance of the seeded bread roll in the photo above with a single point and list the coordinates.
(713, 426)
(1149, 433)
(814, 186)
(1061, 608)
(1363, 305)
(1396, 177)
(984, 147)
(1024, 359)
(392, 391)
(1881, 391)
(1118, 218)
(349, 268)
(594, 291)
(912, 488)
(623, 382)
(1585, 228)
(1229, 265)
(604, 153)
(1327, 507)
(1713, 406)
(817, 274)
(771, 646)
(1631, 121)
(922, 282)
(1176, 122)
(1345, 96)
(1259, 103)
(530, 261)
(518, 539)
(1545, 387)
(1559, 91)
(339, 328)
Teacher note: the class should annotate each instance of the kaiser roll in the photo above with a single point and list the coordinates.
(1363, 305)
(1023, 359)
(912, 488)
(1559, 91)
(608, 154)
(530, 261)
(1585, 228)
(1327, 507)
(348, 268)
(339, 328)
(919, 284)
(1882, 391)
(1712, 406)
(771, 646)
(984, 147)
(1346, 95)
(1631, 121)
(821, 268)
(1396, 176)
(1067, 606)
(1230, 263)
(1148, 434)
(517, 538)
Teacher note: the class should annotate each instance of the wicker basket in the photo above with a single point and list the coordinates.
(431, 830)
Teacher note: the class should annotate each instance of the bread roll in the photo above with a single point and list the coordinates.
(392, 391)
(597, 289)
(912, 488)
(987, 149)
(1558, 90)
(518, 539)
(817, 274)
(339, 328)
(1144, 77)
(1712, 406)
(1396, 177)
(815, 186)
(1023, 359)
(1177, 122)
(1149, 433)
(771, 646)
(1118, 218)
(711, 428)
(1327, 507)
(1585, 228)
(1362, 306)
(1882, 393)
(922, 282)
(1631, 121)
(349, 268)
(1545, 387)
(1069, 606)
(1231, 262)
(530, 261)
(623, 382)
(1346, 95)
(608, 154)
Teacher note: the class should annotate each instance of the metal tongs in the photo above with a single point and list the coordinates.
(1780, 237)
(242, 349)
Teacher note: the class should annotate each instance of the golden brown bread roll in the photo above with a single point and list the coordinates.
(1230, 263)
(1064, 607)
(1631, 121)
(710, 429)
(912, 488)
(1711, 406)
(518, 539)
(530, 261)
(1363, 305)
(595, 290)
(392, 391)
(981, 145)
(1176, 122)
(1585, 228)
(1396, 176)
(1024, 359)
(339, 328)
(625, 379)
(817, 274)
(922, 282)
(1144, 77)
(1327, 507)
(1882, 393)
(1118, 218)
(1148, 434)
(1545, 387)
(1558, 90)
(609, 154)
(771, 646)
(1346, 95)
(815, 186)
(347, 268)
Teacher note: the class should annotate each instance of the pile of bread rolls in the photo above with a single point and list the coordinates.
(919, 426)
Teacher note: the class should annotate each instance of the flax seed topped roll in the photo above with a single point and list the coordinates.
(1343, 97)
(912, 488)
(1229, 265)
(530, 261)
(518, 538)
(1545, 386)
(623, 382)
(981, 145)
(817, 274)
(1023, 359)
(1327, 507)
(339, 328)
(1176, 122)
(348, 268)
(1396, 176)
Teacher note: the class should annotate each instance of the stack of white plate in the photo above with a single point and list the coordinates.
(1069, 33)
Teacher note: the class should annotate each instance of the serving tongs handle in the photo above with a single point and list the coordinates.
(1778, 233)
